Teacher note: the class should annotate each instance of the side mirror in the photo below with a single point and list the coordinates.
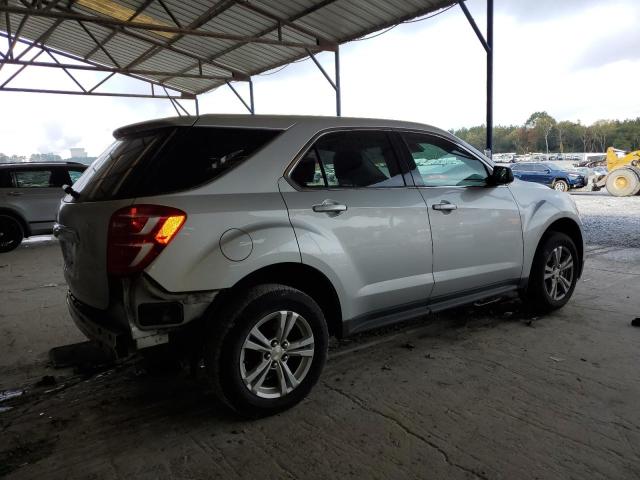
(500, 176)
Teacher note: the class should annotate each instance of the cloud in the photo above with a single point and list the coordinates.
(55, 139)
(533, 11)
(617, 45)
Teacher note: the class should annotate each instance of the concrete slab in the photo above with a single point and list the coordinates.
(487, 392)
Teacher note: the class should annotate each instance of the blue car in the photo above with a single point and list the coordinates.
(548, 174)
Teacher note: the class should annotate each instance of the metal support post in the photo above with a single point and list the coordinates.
(490, 76)
(246, 105)
(488, 47)
(338, 95)
(335, 85)
(253, 106)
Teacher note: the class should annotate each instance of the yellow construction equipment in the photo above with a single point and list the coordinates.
(623, 179)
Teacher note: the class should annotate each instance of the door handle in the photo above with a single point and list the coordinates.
(444, 206)
(329, 206)
(15, 194)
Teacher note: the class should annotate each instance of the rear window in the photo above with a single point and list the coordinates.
(168, 160)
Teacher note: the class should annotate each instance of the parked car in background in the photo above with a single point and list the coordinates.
(550, 175)
(30, 194)
(248, 240)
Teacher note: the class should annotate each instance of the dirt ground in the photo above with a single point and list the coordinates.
(481, 392)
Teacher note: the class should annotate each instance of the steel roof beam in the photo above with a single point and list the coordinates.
(265, 31)
(79, 59)
(96, 94)
(205, 17)
(124, 71)
(104, 41)
(121, 24)
(320, 41)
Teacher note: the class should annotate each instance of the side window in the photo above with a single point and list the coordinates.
(441, 163)
(352, 159)
(75, 175)
(308, 172)
(32, 178)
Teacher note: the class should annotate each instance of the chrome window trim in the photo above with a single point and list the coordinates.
(317, 136)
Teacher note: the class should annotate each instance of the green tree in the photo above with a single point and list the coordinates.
(543, 124)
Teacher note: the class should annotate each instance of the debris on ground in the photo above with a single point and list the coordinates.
(386, 367)
(8, 394)
(46, 381)
(83, 355)
(557, 359)
(409, 346)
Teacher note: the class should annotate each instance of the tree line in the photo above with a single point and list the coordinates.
(542, 133)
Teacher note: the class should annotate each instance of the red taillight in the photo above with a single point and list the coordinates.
(137, 235)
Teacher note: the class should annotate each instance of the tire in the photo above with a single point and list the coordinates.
(11, 233)
(240, 365)
(539, 293)
(561, 186)
(623, 182)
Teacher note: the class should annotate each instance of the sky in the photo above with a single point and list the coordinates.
(576, 59)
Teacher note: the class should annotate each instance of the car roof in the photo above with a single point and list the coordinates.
(279, 122)
(42, 164)
(285, 122)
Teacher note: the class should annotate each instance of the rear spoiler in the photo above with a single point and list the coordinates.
(141, 127)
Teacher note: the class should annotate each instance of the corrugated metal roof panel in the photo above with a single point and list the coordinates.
(332, 20)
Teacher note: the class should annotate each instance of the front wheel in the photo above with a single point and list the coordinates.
(554, 273)
(11, 233)
(561, 186)
(266, 349)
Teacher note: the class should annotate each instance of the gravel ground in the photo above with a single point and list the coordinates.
(610, 221)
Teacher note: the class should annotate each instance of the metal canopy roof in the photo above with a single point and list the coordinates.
(191, 46)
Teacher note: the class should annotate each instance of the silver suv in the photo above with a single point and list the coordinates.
(248, 240)
(30, 195)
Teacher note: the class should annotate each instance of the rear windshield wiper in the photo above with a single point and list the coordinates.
(70, 191)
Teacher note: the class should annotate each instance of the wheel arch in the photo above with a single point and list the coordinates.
(296, 275)
(23, 223)
(570, 228)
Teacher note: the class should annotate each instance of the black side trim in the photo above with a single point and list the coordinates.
(384, 317)
(412, 310)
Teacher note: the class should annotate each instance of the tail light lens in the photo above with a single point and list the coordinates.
(137, 235)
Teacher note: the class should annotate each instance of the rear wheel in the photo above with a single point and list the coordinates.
(623, 182)
(266, 350)
(11, 233)
(554, 273)
(561, 186)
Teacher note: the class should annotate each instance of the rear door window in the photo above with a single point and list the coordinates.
(351, 159)
(168, 160)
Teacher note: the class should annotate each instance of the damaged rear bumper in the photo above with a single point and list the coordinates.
(97, 327)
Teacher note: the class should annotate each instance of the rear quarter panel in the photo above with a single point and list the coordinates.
(196, 259)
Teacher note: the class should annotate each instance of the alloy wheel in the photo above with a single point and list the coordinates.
(558, 273)
(277, 354)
